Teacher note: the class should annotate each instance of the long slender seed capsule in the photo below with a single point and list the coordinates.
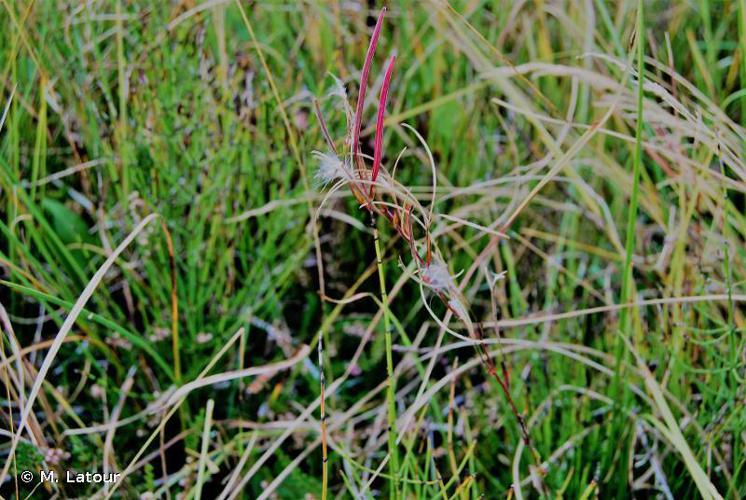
(378, 144)
(364, 85)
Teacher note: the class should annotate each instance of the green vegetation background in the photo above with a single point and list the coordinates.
(164, 107)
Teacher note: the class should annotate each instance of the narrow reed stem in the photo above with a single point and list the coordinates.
(175, 344)
(626, 318)
(627, 281)
(324, 450)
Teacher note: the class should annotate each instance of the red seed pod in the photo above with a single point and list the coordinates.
(378, 144)
(364, 84)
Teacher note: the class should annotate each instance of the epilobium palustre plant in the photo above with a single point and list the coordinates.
(381, 196)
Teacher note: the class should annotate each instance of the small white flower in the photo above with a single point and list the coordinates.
(436, 276)
(331, 168)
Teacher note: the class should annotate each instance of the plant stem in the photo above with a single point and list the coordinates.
(391, 389)
(742, 38)
(324, 452)
(204, 450)
(629, 247)
(627, 292)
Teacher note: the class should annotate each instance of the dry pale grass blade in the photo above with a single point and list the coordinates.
(64, 329)
(204, 449)
(70, 171)
(351, 299)
(185, 389)
(229, 486)
(8, 375)
(542, 318)
(271, 206)
(502, 187)
(7, 108)
(655, 464)
(345, 218)
(463, 222)
(109, 462)
(18, 376)
(108, 426)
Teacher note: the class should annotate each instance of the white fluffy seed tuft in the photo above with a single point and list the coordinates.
(331, 168)
(437, 277)
(338, 90)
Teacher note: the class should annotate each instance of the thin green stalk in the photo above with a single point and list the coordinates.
(609, 24)
(122, 83)
(38, 165)
(733, 346)
(742, 38)
(627, 292)
(391, 389)
(629, 247)
(711, 45)
(322, 409)
(727, 263)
